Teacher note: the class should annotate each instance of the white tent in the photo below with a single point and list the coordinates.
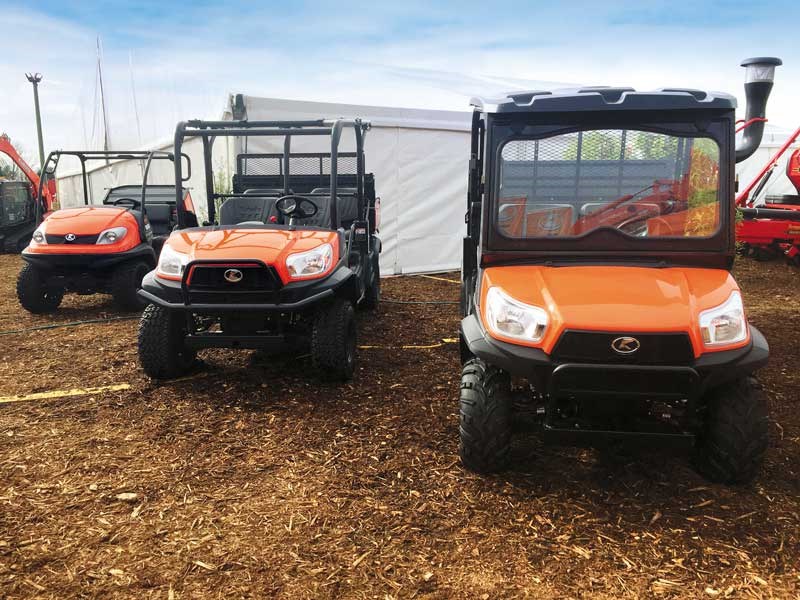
(419, 158)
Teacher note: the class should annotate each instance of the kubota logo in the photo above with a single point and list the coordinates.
(625, 345)
(233, 275)
(70, 237)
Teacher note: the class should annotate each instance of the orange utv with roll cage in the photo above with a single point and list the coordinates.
(282, 262)
(597, 299)
(99, 248)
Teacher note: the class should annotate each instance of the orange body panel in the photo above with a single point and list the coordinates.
(624, 299)
(88, 220)
(269, 246)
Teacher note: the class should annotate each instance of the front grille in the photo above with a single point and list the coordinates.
(206, 284)
(80, 239)
(595, 347)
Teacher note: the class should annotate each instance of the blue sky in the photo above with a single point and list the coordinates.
(183, 58)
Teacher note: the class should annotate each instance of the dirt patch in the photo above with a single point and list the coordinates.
(251, 479)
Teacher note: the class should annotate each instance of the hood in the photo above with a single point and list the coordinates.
(87, 220)
(615, 299)
(270, 246)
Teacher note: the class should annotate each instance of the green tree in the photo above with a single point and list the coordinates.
(595, 145)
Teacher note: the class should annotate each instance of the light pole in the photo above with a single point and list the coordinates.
(35, 78)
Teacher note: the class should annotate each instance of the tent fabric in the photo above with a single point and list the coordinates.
(419, 158)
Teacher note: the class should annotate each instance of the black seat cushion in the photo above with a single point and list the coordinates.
(241, 209)
(347, 204)
(160, 217)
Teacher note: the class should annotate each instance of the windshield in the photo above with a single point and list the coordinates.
(641, 183)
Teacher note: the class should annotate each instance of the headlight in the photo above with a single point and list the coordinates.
(724, 324)
(111, 236)
(38, 235)
(311, 263)
(512, 318)
(171, 263)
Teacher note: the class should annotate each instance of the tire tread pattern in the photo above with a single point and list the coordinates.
(736, 434)
(329, 339)
(33, 293)
(484, 417)
(162, 353)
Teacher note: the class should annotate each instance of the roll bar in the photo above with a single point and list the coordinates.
(208, 131)
(91, 155)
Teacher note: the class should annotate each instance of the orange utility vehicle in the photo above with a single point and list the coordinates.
(598, 303)
(291, 252)
(104, 248)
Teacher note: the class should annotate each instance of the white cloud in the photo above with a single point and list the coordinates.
(389, 55)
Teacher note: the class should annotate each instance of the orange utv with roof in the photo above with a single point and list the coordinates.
(597, 299)
(282, 262)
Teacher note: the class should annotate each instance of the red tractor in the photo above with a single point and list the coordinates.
(18, 202)
(772, 227)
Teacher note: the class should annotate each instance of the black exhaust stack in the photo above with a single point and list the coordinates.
(759, 76)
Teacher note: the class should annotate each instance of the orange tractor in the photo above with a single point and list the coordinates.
(18, 201)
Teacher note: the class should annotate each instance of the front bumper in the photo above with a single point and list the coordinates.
(659, 403)
(289, 298)
(89, 261)
(711, 369)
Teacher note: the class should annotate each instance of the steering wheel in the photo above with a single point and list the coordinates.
(130, 202)
(636, 226)
(296, 207)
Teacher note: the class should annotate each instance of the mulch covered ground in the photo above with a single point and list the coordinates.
(251, 479)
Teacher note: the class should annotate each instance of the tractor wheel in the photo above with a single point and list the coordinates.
(485, 417)
(333, 341)
(34, 293)
(125, 282)
(372, 295)
(735, 437)
(162, 352)
(763, 253)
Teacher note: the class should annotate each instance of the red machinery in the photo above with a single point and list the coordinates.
(772, 228)
(18, 202)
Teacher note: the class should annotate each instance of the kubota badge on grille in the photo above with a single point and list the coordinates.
(625, 345)
(233, 275)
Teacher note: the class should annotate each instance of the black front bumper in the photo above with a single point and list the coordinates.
(711, 369)
(292, 297)
(661, 388)
(87, 262)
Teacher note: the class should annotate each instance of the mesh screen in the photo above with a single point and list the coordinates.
(550, 186)
(299, 164)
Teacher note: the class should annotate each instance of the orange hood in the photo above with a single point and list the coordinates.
(271, 246)
(623, 299)
(87, 221)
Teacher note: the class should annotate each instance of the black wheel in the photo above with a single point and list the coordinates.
(372, 295)
(735, 437)
(34, 293)
(485, 417)
(162, 352)
(763, 253)
(125, 282)
(333, 341)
